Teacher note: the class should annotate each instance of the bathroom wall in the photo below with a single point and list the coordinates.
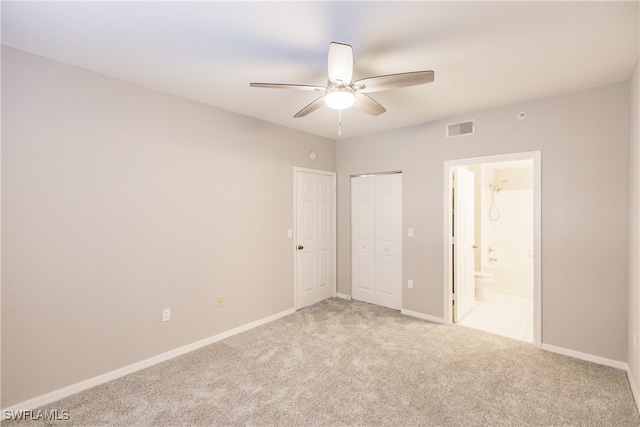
(509, 224)
(486, 177)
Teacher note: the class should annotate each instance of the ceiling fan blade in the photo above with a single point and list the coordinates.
(310, 108)
(393, 81)
(340, 63)
(368, 105)
(288, 86)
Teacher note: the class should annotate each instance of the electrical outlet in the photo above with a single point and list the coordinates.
(220, 301)
(166, 314)
(410, 284)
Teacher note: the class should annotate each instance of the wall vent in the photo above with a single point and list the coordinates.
(461, 129)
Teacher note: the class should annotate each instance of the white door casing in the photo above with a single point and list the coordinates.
(449, 165)
(376, 227)
(463, 241)
(314, 243)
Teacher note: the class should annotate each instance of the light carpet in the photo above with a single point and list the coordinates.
(347, 363)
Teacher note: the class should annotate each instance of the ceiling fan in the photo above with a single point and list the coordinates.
(342, 92)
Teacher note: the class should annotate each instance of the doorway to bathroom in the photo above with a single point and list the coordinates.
(492, 244)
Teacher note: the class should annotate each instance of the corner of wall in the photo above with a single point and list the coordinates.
(633, 350)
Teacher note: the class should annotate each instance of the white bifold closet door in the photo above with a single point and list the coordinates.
(376, 239)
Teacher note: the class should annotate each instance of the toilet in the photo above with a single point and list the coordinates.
(482, 283)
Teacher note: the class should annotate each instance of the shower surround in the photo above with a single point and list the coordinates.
(504, 225)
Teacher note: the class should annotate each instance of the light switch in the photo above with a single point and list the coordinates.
(410, 232)
(289, 234)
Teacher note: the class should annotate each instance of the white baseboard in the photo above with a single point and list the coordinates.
(53, 396)
(343, 296)
(586, 356)
(422, 316)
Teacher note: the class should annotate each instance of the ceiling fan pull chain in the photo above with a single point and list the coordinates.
(339, 123)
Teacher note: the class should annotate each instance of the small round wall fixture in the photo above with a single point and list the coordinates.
(522, 115)
(313, 155)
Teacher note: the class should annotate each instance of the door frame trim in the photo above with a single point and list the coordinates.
(537, 232)
(332, 174)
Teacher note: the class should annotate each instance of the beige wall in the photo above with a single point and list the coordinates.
(633, 358)
(584, 140)
(118, 202)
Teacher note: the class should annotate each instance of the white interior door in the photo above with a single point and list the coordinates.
(463, 233)
(363, 238)
(315, 237)
(389, 240)
(376, 224)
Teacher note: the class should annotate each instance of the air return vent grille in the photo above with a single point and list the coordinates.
(461, 129)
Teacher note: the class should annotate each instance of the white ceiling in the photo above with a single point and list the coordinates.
(484, 54)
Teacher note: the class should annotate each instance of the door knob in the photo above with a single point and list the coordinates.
(300, 247)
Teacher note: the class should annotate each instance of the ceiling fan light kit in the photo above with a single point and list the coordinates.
(340, 98)
(343, 92)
